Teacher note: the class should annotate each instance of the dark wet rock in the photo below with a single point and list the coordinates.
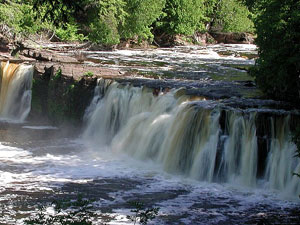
(209, 89)
(100, 47)
(233, 38)
(168, 40)
(4, 42)
(204, 38)
(266, 106)
(133, 43)
(249, 84)
(153, 198)
(99, 189)
(48, 55)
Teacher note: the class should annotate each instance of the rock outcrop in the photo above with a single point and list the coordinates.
(3, 44)
(233, 38)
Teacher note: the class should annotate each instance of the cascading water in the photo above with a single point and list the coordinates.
(186, 136)
(239, 155)
(15, 93)
(281, 159)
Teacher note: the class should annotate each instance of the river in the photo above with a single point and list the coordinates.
(198, 155)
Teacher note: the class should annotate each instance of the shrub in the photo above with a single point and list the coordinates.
(88, 74)
(19, 17)
(69, 33)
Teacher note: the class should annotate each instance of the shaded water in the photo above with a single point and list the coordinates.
(201, 161)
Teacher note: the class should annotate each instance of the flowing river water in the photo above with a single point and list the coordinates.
(200, 156)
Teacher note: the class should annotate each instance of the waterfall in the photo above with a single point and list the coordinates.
(281, 161)
(15, 92)
(200, 138)
(239, 156)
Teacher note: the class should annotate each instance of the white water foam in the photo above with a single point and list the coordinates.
(24, 170)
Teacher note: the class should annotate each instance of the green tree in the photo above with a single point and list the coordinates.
(57, 11)
(209, 7)
(124, 19)
(181, 17)
(19, 17)
(105, 26)
(141, 14)
(232, 16)
(277, 70)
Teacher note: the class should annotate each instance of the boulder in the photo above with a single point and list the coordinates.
(204, 38)
(233, 38)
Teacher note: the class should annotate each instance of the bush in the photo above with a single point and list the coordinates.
(69, 33)
(19, 17)
(102, 33)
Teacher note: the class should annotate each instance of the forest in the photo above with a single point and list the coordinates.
(109, 21)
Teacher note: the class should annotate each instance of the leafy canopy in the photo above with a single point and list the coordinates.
(109, 21)
(181, 16)
(233, 16)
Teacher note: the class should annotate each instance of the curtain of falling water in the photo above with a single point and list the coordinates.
(281, 161)
(186, 137)
(15, 93)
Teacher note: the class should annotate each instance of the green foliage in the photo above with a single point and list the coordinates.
(58, 11)
(69, 33)
(57, 75)
(109, 21)
(103, 33)
(88, 74)
(233, 16)
(209, 10)
(119, 19)
(141, 14)
(181, 16)
(105, 26)
(142, 214)
(278, 33)
(19, 17)
(23, 18)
